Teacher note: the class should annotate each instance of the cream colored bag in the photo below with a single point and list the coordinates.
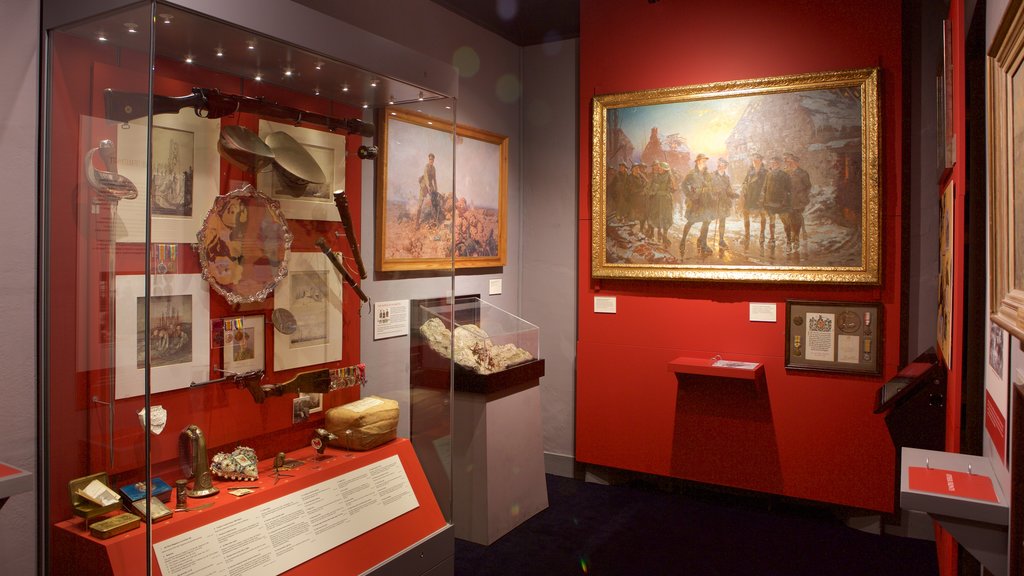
(363, 424)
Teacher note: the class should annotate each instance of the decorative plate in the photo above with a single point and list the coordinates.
(243, 245)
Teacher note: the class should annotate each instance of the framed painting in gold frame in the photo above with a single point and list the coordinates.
(1006, 176)
(766, 180)
(415, 211)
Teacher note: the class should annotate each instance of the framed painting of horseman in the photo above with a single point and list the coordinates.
(767, 180)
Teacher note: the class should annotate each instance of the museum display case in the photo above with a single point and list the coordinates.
(208, 194)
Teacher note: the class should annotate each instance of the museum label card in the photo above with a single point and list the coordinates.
(604, 304)
(762, 312)
(390, 319)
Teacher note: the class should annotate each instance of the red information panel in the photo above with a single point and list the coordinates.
(952, 483)
(995, 424)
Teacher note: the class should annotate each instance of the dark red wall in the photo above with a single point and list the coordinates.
(806, 435)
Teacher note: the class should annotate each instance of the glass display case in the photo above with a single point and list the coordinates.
(485, 338)
(208, 255)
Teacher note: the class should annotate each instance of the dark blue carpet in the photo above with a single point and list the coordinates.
(635, 529)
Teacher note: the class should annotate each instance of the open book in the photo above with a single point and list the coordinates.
(98, 493)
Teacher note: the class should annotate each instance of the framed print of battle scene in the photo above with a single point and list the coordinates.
(416, 191)
(774, 179)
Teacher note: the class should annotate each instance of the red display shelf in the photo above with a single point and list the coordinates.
(125, 554)
(706, 367)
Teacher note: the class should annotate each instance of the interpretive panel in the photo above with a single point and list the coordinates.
(283, 533)
(833, 336)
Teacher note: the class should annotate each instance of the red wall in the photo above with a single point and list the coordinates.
(806, 435)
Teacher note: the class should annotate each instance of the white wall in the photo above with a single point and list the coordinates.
(550, 200)
(19, 68)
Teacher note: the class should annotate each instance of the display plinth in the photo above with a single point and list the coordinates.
(968, 501)
(125, 554)
(498, 455)
(707, 367)
(13, 481)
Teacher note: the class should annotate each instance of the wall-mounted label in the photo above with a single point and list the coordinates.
(995, 425)
(762, 312)
(494, 287)
(390, 319)
(604, 304)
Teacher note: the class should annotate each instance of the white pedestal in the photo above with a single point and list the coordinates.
(497, 461)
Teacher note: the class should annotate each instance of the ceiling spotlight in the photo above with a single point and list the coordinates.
(132, 27)
(447, 107)
(220, 53)
(188, 59)
(101, 37)
(373, 83)
(421, 96)
(365, 106)
(318, 65)
(287, 71)
(166, 18)
(344, 88)
(251, 44)
(316, 91)
(258, 78)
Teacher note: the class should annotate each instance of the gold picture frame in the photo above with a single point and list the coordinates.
(414, 213)
(1006, 156)
(826, 124)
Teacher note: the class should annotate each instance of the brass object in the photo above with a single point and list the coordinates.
(192, 457)
(82, 507)
(115, 525)
(108, 183)
(244, 148)
(157, 509)
(194, 508)
(284, 321)
(294, 164)
(181, 499)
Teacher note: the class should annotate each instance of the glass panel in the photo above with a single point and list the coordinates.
(213, 244)
(88, 196)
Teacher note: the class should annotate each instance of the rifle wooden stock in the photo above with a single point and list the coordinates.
(341, 201)
(316, 382)
(212, 103)
(326, 249)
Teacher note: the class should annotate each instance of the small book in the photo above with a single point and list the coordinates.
(99, 493)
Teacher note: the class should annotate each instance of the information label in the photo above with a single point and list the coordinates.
(762, 312)
(283, 533)
(390, 319)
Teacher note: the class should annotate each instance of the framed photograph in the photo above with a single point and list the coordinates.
(767, 180)
(243, 347)
(946, 126)
(416, 190)
(1006, 174)
(944, 318)
(178, 332)
(834, 336)
(316, 201)
(184, 177)
(312, 293)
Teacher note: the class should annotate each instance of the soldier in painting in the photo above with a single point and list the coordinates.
(777, 198)
(723, 195)
(700, 206)
(752, 190)
(659, 205)
(636, 187)
(800, 197)
(429, 197)
(617, 191)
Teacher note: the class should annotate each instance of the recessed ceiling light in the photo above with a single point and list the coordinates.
(258, 77)
(101, 37)
(220, 53)
(188, 59)
(287, 71)
(319, 65)
(166, 18)
(365, 106)
(316, 91)
(251, 44)
(373, 83)
(132, 27)
(344, 88)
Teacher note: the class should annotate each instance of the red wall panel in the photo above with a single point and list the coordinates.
(807, 435)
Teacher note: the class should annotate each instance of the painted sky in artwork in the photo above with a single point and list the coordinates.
(705, 124)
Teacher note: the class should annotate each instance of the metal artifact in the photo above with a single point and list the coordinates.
(192, 458)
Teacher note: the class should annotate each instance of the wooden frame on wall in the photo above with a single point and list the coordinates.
(415, 208)
(827, 122)
(1006, 194)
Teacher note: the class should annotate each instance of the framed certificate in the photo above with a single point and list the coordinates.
(834, 336)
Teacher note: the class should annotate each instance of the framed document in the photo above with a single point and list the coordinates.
(834, 336)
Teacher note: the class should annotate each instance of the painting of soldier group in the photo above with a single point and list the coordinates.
(764, 180)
